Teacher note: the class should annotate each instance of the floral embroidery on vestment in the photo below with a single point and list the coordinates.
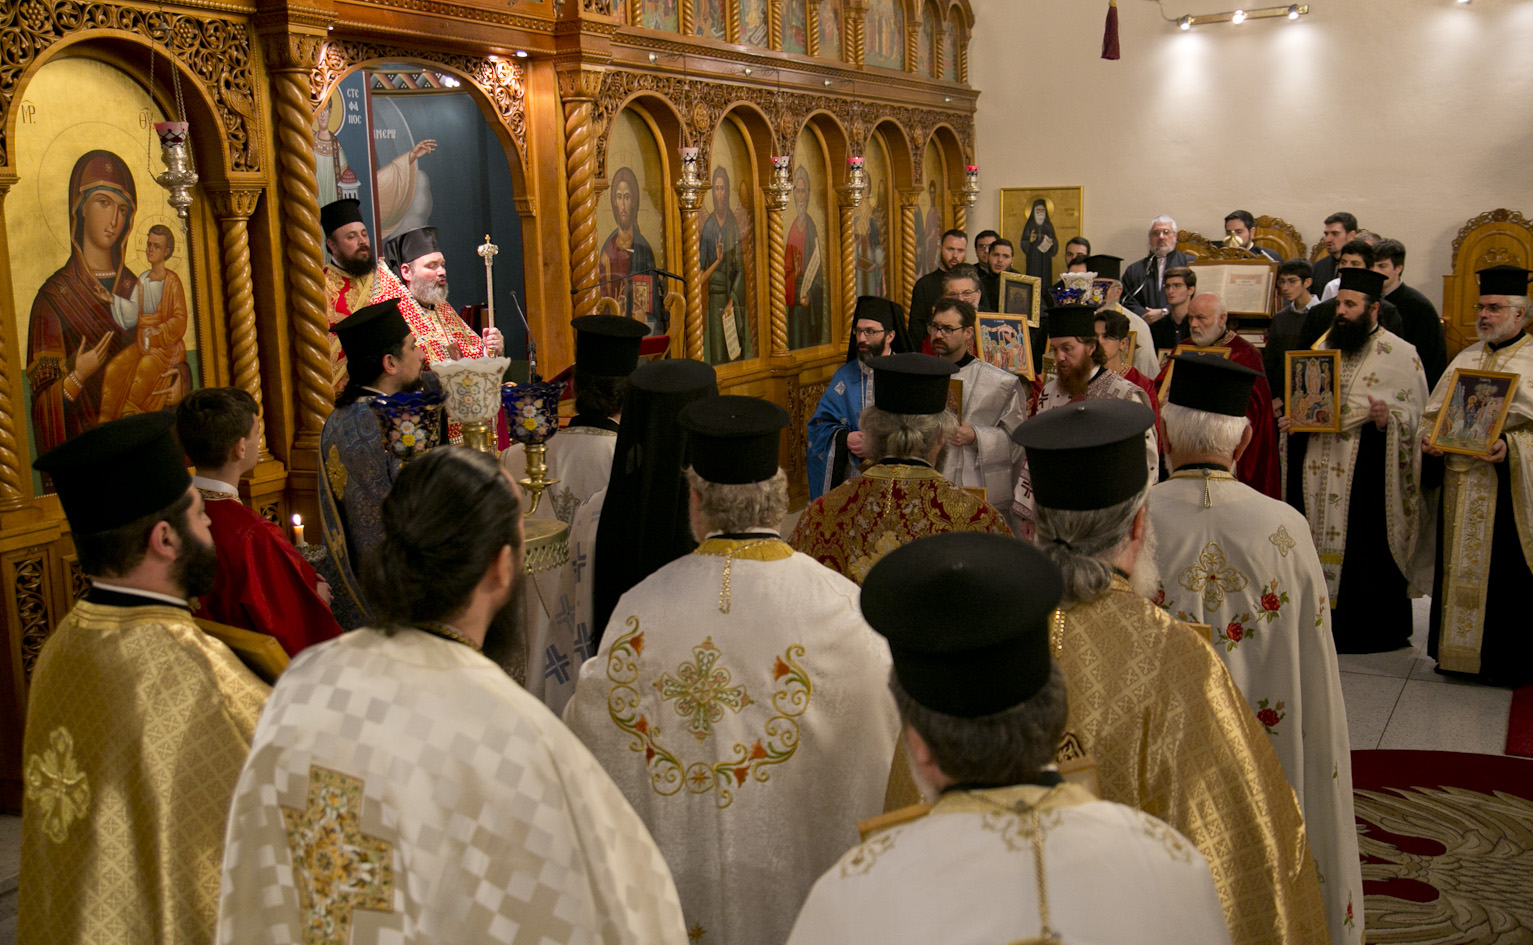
(337, 868)
(57, 785)
(1212, 577)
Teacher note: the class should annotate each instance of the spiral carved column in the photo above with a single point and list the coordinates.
(777, 194)
(577, 91)
(291, 58)
(908, 199)
(12, 494)
(961, 217)
(697, 291)
(848, 260)
(233, 209)
(856, 33)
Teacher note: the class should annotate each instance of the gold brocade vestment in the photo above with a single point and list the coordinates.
(1153, 705)
(850, 527)
(137, 726)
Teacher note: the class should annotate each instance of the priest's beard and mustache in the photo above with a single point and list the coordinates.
(1075, 381)
(430, 294)
(1144, 577)
(360, 264)
(866, 353)
(505, 640)
(196, 568)
(1348, 336)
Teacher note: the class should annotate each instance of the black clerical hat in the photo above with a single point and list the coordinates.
(338, 213)
(372, 330)
(608, 344)
(1503, 280)
(1087, 455)
(967, 617)
(733, 440)
(1211, 382)
(1366, 281)
(674, 376)
(119, 471)
(1105, 266)
(1072, 321)
(911, 383)
(411, 245)
(883, 311)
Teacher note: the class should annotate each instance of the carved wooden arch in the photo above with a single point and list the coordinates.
(497, 85)
(206, 52)
(904, 158)
(945, 137)
(964, 18)
(965, 10)
(833, 132)
(1495, 238)
(666, 116)
(939, 26)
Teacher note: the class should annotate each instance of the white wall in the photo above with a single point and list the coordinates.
(1413, 114)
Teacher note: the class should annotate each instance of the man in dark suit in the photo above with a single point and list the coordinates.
(1418, 316)
(928, 288)
(1144, 281)
(1340, 229)
(1355, 254)
(1241, 225)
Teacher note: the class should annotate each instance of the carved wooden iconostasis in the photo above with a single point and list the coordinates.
(556, 126)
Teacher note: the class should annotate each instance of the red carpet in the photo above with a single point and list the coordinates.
(1447, 847)
(1519, 729)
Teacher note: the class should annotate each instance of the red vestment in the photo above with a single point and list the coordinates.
(1258, 466)
(263, 583)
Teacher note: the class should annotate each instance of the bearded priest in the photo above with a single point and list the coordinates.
(1243, 564)
(901, 497)
(1486, 526)
(1367, 539)
(738, 698)
(1151, 706)
(1082, 374)
(137, 721)
(354, 277)
(403, 788)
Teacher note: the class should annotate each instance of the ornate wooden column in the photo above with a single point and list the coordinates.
(856, 12)
(966, 197)
(909, 197)
(292, 40)
(15, 470)
(777, 194)
(690, 188)
(850, 195)
(577, 90)
(233, 206)
(961, 216)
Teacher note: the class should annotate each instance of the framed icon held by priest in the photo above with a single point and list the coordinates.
(1311, 396)
(1004, 341)
(1165, 376)
(1020, 295)
(1474, 411)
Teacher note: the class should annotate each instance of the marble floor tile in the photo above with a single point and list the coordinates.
(1394, 663)
(1431, 716)
(1370, 700)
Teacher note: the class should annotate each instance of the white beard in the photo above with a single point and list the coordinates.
(1145, 578)
(430, 294)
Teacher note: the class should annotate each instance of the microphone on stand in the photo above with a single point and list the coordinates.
(641, 272)
(532, 349)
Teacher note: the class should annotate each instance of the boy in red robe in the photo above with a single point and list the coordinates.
(263, 583)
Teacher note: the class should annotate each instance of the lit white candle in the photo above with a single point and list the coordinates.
(298, 530)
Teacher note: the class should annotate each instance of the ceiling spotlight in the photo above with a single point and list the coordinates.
(1239, 17)
(521, 54)
(1293, 11)
(1185, 22)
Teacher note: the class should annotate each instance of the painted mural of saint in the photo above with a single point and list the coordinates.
(829, 28)
(332, 171)
(728, 331)
(87, 314)
(795, 28)
(753, 22)
(805, 269)
(709, 18)
(627, 253)
(870, 238)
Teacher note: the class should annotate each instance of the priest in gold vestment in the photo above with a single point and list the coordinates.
(903, 497)
(138, 722)
(1151, 705)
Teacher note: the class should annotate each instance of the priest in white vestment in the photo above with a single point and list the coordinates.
(1244, 566)
(1009, 851)
(981, 454)
(1485, 529)
(1082, 374)
(579, 458)
(402, 788)
(738, 698)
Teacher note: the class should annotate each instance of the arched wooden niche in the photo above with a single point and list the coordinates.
(112, 303)
(636, 218)
(812, 253)
(732, 240)
(418, 143)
